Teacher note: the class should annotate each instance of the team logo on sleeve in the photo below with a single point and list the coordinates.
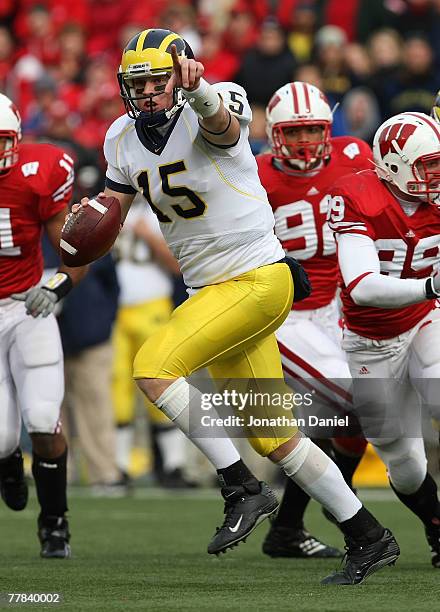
(30, 168)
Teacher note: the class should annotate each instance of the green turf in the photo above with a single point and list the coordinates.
(149, 554)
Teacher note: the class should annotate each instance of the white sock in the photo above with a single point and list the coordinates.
(171, 443)
(175, 402)
(124, 443)
(320, 477)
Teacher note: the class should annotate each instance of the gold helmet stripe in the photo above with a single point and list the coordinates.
(140, 42)
(168, 40)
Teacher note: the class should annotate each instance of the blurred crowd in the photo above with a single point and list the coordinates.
(58, 62)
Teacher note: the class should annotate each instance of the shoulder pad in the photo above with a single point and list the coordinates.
(235, 100)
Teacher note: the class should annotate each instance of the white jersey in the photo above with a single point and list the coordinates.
(212, 208)
(140, 278)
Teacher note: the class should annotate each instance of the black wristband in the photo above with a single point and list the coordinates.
(429, 289)
(60, 284)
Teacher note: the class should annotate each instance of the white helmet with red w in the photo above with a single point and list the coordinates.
(299, 104)
(406, 150)
(10, 130)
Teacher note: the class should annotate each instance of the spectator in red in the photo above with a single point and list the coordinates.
(104, 108)
(69, 71)
(241, 32)
(220, 64)
(38, 36)
(344, 15)
(8, 55)
(106, 19)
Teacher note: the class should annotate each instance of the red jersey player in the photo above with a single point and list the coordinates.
(35, 187)
(298, 174)
(387, 226)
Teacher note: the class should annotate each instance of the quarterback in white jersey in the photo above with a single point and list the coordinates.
(184, 146)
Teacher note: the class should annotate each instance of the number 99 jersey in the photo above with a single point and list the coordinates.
(407, 247)
(300, 203)
(212, 208)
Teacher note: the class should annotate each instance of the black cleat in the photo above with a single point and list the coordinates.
(364, 560)
(433, 537)
(296, 543)
(13, 485)
(54, 536)
(245, 508)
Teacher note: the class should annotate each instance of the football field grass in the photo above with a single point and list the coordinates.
(148, 552)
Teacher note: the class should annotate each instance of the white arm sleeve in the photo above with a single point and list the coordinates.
(357, 255)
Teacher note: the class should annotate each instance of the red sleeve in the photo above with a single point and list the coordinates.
(345, 216)
(59, 186)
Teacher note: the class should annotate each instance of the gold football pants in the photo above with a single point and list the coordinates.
(228, 327)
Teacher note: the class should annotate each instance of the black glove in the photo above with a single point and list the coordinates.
(301, 283)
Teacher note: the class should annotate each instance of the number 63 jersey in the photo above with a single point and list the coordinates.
(212, 208)
(407, 247)
(300, 201)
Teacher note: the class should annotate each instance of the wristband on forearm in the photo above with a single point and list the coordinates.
(204, 100)
(60, 284)
(429, 289)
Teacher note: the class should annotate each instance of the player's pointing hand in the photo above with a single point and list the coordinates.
(186, 72)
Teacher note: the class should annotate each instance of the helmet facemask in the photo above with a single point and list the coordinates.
(9, 154)
(304, 155)
(426, 170)
(10, 133)
(131, 97)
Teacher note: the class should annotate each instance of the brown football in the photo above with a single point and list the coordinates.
(90, 233)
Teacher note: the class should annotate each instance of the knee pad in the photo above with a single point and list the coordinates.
(43, 418)
(406, 463)
(296, 458)
(175, 398)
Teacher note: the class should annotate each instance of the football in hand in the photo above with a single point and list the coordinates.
(88, 234)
